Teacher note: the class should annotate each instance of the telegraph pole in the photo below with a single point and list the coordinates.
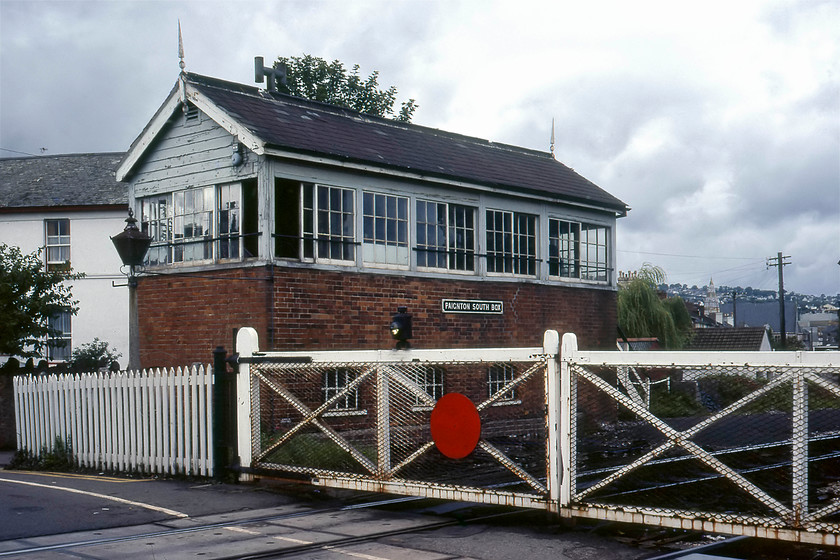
(779, 261)
(734, 311)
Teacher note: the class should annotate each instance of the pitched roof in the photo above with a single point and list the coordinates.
(60, 181)
(282, 124)
(731, 339)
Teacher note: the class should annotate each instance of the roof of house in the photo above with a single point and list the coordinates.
(725, 338)
(282, 124)
(60, 181)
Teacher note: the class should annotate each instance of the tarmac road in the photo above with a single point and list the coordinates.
(57, 515)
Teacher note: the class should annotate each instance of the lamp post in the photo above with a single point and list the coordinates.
(132, 245)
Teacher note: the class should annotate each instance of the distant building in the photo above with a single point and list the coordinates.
(763, 313)
(739, 339)
(819, 330)
(69, 206)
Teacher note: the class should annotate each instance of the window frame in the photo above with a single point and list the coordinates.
(186, 233)
(378, 230)
(591, 258)
(318, 224)
(449, 252)
(431, 380)
(333, 382)
(499, 375)
(511, 256)
(60, 241)
(62, 323)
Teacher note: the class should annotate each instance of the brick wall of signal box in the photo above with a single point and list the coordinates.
(183, 318)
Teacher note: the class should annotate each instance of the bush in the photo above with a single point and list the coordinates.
(92, 356)
(59, 458)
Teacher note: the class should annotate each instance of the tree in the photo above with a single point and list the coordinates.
(91, 356)
(329, 82)
(30, 296)
(642, 313)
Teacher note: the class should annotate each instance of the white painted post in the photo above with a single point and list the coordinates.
(247, 344)
(554, 460)
(800, 447)
(568, 353)
(383, 424)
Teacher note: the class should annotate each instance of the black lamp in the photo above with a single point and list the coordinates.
(132, 244)
(401, 327)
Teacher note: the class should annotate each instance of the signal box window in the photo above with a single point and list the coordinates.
(511, 243)
(385, 229)
(445, 236)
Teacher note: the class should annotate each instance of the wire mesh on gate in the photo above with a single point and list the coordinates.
(734, 444)
(372, 420)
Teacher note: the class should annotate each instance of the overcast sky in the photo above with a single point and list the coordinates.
(718, 123)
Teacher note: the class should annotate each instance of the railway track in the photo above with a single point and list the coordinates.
(253, 528)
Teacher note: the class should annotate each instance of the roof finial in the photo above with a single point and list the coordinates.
(180, 47)
(551, 145)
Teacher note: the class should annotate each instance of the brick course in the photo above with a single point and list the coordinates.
(182, 318)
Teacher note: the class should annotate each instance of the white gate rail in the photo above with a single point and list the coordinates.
(155, 421)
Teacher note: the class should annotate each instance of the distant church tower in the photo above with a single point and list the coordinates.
(712, 303)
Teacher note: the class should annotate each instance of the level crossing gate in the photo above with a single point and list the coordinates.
(741, 443)
(367, 420)
(744, 443)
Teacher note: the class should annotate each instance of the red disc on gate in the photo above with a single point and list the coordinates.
(455, 425)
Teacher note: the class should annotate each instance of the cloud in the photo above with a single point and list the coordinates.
(718, 123)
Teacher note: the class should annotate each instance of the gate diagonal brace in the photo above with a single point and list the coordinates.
(505, 461)
(311, 416)
(681, 439)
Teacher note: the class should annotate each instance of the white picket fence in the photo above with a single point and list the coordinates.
(150, 421)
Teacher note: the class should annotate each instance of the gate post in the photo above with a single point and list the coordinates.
(224, 431)
(551, 349)
(247, 421)
(568, 353)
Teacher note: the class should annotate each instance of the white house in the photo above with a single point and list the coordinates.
(70, 206)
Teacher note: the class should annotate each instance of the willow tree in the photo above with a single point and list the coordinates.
(642, 313)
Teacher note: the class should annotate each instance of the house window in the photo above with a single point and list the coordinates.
(57, 233)
(498, 376)
(511, 243)
(59, 343)
(445, 236)
(578, 250)
(385, 229)
(329, 223)
(336, 381)
(429, 379)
